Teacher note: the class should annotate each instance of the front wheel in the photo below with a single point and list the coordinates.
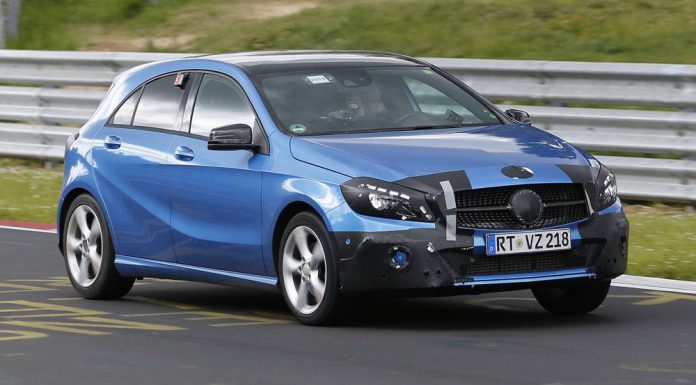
(307, 271)
(572, 299)
(89, 254)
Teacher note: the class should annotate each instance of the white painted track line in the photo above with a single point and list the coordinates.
(659, 284)
(630, 281)
(53, 231)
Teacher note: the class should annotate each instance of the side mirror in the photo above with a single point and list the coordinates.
(519, 115)
(232, 137)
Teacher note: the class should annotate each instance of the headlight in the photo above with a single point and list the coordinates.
(595, 166)
(378, 198)
(606, 187)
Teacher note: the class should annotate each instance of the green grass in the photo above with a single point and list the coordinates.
(662, 241)
(662, 238)
(28, 192)
(595, 30)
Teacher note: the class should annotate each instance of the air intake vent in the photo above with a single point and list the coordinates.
(465, 264)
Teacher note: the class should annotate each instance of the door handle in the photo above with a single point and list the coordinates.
(183, 153)
(112, 142)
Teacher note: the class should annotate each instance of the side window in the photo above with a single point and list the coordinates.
(124, 115)
(220, 102)
(434, 102)
(159, 105)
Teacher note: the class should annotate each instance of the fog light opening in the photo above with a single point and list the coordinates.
(399, 259)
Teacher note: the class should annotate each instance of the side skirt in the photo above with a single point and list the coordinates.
(139, 267)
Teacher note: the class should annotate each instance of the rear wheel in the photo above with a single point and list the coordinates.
(572, 299)
(88, 251)
(307, 271)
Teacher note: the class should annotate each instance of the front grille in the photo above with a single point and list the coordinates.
(463, 263)
(489, 208)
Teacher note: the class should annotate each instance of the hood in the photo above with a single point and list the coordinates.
(480, 153)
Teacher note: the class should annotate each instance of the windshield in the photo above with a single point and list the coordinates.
(345, 100)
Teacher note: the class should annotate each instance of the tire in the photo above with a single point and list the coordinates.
(572, 299)
(300, 272)
(89, 253)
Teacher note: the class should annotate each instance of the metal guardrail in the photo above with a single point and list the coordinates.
(49, 93)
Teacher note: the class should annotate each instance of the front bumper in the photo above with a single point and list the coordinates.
(438, 266)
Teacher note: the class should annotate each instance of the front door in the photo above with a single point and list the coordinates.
(215, 196)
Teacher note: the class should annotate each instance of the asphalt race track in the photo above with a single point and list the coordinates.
(168, 332)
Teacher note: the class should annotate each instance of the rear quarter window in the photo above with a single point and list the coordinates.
(124, 115)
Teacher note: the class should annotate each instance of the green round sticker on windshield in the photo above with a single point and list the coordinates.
(298, 128)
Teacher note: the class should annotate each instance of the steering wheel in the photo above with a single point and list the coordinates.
(413, 116)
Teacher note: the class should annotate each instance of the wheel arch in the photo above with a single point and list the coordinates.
(288, 212)
(67, 200)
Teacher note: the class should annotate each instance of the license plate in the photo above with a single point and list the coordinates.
(528, 241)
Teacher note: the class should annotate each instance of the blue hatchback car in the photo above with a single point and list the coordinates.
(328, 175)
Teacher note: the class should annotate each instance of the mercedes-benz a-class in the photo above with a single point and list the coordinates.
(330, 176)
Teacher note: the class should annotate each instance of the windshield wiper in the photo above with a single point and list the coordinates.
(435, 127)
(392, 129)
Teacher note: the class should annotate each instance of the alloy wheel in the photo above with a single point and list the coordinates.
(304, 269)
(84, 245)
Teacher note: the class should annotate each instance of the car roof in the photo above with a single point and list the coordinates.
(261, 62)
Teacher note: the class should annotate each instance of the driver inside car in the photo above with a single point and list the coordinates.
(365, 103)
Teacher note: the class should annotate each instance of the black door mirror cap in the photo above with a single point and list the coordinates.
(519, 116)
(232, 137)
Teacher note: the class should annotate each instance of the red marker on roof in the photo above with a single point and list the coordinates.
(180, 79)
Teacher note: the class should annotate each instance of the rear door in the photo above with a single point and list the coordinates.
(129, 165)
(216, 195)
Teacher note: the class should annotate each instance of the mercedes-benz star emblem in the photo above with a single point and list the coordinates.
(526, 206)
(517, 172)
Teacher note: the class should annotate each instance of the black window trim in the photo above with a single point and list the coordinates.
(176, 130)
(182, 126)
